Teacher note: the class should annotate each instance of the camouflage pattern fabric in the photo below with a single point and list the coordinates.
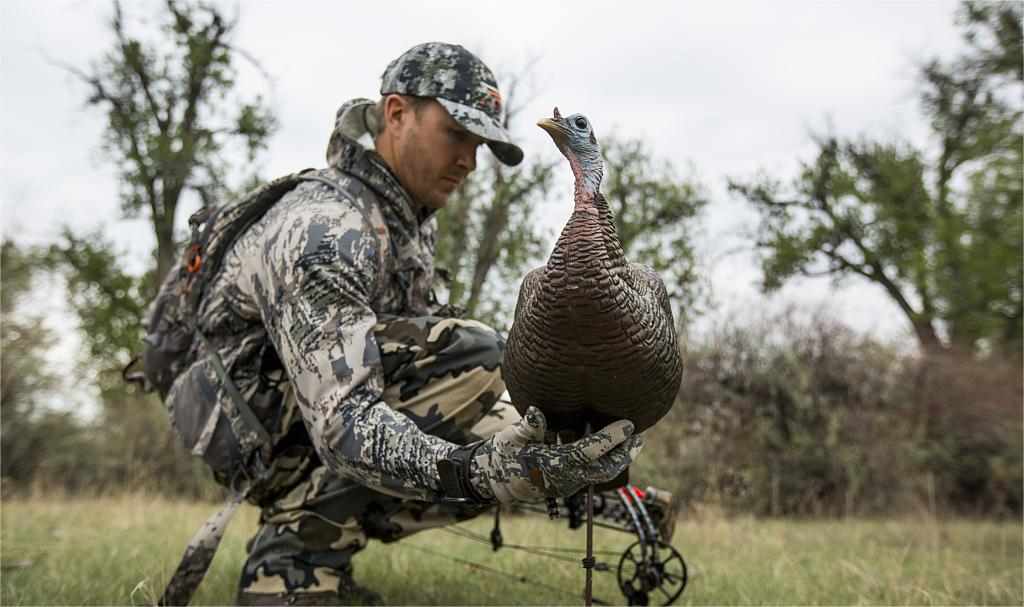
(442, 374)
(335, 283)
(312, 278)
(516, 465)
(199, 554)
(321, 315)
(356, 120)
(460, 82)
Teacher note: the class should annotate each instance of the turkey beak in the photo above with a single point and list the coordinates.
(556, 130)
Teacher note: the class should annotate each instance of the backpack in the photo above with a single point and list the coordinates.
(238, 451)
(172, 316)
(171, 332)
(170, 348)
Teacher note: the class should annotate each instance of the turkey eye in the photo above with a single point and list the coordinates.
(581, 123)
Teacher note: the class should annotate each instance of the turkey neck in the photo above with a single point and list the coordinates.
(589, 236)
(587, 262)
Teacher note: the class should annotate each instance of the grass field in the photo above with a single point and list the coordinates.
(120, 550)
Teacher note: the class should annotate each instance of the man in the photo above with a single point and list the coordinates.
(383, 410)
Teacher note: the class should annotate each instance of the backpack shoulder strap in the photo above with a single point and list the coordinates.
(323, 180)
(249, 210)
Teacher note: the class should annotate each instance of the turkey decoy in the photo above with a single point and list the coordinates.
(593, 338)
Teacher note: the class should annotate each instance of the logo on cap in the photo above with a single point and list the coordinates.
(494, 97)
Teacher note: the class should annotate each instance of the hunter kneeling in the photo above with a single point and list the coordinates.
(303, 355)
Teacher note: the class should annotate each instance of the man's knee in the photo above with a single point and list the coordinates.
(453, 340)
(421, 350)
(466, 354)
(468, 343)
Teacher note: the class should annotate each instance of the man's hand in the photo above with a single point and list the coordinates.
(515, 465)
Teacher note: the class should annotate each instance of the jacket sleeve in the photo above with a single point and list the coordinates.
(321, 264)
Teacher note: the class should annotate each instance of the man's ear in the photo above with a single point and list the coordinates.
(394, 111)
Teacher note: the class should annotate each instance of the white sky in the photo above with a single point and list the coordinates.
(725, 88)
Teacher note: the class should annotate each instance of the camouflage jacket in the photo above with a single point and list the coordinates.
(311, 278)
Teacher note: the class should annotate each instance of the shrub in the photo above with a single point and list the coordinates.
(803, 416)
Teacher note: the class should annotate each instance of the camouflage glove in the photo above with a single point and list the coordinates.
(515, 465)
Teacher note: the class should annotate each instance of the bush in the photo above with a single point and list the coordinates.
(803, 416)
(129, 447)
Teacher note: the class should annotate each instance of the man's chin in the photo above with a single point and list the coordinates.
(438, 200)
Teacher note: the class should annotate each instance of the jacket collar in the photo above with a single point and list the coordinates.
(366, 165)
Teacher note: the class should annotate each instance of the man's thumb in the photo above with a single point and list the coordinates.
(529, 429)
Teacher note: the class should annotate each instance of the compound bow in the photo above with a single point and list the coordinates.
(649, 569)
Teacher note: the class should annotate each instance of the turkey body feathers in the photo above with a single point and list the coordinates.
(593, 338)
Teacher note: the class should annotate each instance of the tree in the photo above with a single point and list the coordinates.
(109, 302)
(939, 232)
(25, 380)
(173, 123)
(129, 442)
(25, 338)
(167, 126)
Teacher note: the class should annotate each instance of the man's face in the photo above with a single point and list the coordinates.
(433, 154)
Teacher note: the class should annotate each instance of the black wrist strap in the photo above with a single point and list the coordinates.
(453, 472)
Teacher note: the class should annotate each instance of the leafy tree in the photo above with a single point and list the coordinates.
(25, 380)
(173, 122)
(109, 302)
(487, 236)
(129, 442)
(940, 233)
(169, 126)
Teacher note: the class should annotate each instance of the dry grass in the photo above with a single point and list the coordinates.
(120, 550)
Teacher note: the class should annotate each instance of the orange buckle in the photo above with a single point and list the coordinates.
(195, 260)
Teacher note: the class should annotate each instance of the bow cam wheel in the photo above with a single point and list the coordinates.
(660, 577)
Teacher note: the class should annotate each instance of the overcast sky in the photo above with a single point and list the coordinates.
(727, 88)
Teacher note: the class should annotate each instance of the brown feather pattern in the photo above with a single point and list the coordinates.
(593, 338)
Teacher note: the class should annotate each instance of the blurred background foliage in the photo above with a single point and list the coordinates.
(800, 415)
(796, 414)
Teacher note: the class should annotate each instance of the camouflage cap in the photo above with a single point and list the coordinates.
(460, 82)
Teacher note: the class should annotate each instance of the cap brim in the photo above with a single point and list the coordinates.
(487, 128)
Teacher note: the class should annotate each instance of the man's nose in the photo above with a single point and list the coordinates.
(467, 159)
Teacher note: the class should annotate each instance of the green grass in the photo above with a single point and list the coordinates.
(120, 550)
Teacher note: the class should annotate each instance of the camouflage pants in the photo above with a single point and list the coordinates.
(442, 373)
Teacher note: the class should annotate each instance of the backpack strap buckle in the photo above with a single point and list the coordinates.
(194, 259)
